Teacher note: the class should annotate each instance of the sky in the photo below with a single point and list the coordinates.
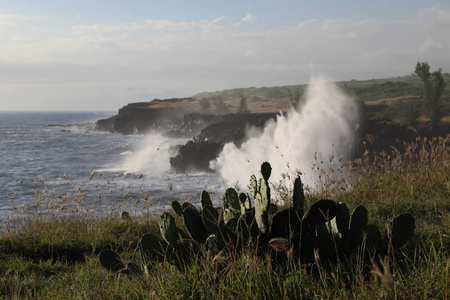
(102, 55)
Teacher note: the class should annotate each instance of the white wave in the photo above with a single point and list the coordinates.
(150, 156)
(323, 125)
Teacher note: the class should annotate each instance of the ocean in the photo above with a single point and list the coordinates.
(50, 164)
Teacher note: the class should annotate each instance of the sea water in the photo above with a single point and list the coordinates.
(51, 164)
(68, 168)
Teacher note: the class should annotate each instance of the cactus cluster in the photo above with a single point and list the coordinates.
(327, 229)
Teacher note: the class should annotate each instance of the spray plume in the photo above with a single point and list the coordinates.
(151, 155)
(323, 125)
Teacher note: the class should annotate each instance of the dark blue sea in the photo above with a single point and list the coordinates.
(54, 163)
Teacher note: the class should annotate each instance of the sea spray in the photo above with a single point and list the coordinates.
(148, 154)
(144, 166)
(323, 126)
(152, 155)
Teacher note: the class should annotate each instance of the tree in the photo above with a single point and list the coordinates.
(410, 112)
(243, 108)
(220, 105)
(294, 99)
(434, 88)
(205, 104)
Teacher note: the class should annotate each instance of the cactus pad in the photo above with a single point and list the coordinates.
(110, 260)
(206, 199)
(321, 212)
(403, 227)
(168, 229)
(176, 206)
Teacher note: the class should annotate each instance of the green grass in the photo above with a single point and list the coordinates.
(56, 258)
(390, 94)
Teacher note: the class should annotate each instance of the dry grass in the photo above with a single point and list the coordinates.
(56, 258)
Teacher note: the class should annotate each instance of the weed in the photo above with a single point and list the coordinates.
(55, 257)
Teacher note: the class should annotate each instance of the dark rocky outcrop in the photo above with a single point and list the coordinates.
(106, 124)
(209, 132)
(195, 156)
(144, 117)
(379, 136)
(232, 127)
(191, 125)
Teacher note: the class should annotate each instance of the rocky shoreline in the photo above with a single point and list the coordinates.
(208, 133)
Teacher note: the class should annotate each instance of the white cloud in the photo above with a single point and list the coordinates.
(11, 19)
(216, 21)
(430, 45)
(147, 25)
(99, 62)
(247, 18)
(435, 14)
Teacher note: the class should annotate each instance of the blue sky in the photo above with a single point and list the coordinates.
(101, 55)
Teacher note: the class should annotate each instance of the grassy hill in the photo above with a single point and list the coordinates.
(389, 99)
(398, 100)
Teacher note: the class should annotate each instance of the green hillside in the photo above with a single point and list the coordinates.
(389, 99)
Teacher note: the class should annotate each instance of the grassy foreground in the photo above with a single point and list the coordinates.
(56, 258)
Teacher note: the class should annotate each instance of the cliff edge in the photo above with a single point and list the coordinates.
(182, 117)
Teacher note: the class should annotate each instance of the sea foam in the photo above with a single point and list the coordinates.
(322, 125)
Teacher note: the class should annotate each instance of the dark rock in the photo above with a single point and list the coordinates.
(196, 154)
(195, 157)
(157, 115)
(380, 136)
(137, 120)
(232, 128)
(105, 124)
(191, 125)
(209, 132)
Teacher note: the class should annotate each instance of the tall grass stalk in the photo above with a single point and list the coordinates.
(56, 257)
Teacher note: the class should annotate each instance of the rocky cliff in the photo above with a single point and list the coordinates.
(210, 132)
(144, 117)
(196, 154)
(175, 118)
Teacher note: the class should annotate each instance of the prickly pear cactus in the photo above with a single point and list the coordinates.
(206, 199)
(247, 226)
(266, 170)
(152, 247)
(298, 199)
(176, 206)
(265, 194)
(229, 216)
(132, 268)
(110, 260)
(211, 219)
(403, 227)
(273, 209)
(369, 237)
(168, 229)
(254, 186)
(341, 222)
(321, 212)
(231, 199)
(212, 242)
(359, 220)
(186, 205)
(126, 216)
(194, 225)
(262, 200)
(286, 223)
(244, 200)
